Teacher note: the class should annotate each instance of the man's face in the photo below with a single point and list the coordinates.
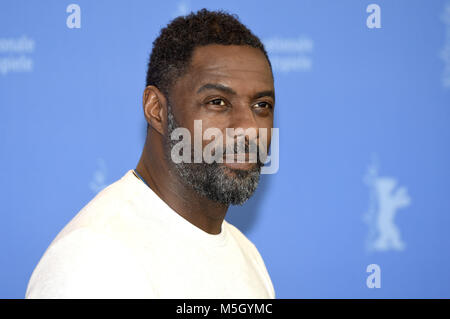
(224, 87)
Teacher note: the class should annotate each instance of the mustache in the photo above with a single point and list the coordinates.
(250, 148)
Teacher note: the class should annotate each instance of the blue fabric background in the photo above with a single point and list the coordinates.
(364, 98)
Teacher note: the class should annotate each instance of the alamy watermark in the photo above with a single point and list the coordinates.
(238, 146)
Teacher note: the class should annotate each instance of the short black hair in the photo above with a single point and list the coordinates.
(172, 49)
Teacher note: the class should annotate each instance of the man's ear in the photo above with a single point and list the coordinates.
(155, 108)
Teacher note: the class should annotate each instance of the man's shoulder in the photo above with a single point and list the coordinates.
(109, 212)
(96, 245)
(86, 263)
(108, 221)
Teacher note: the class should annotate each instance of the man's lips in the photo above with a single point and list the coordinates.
(236, 162)
(240, 158)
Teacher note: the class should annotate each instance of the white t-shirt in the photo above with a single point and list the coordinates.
(128, 243)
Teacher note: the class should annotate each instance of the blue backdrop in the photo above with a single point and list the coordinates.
(363, 113)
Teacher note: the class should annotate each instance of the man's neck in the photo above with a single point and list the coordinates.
(183, 199)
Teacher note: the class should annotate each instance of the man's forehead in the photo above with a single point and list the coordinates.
(228, 63)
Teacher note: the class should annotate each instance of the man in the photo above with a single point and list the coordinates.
(159, 232)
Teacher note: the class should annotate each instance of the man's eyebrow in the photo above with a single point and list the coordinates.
(216, 86)
(269, 93)
(226, 89)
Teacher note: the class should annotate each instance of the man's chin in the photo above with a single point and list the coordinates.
(226, 184)
(241, 171)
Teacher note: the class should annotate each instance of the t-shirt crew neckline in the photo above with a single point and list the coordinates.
(180, 224)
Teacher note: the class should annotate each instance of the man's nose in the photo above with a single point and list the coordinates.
(244, 118)
(242, 131)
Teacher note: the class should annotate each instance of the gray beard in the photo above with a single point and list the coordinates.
(214, 180)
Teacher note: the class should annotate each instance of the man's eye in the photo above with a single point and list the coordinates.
(263, 105)
(218, 102)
